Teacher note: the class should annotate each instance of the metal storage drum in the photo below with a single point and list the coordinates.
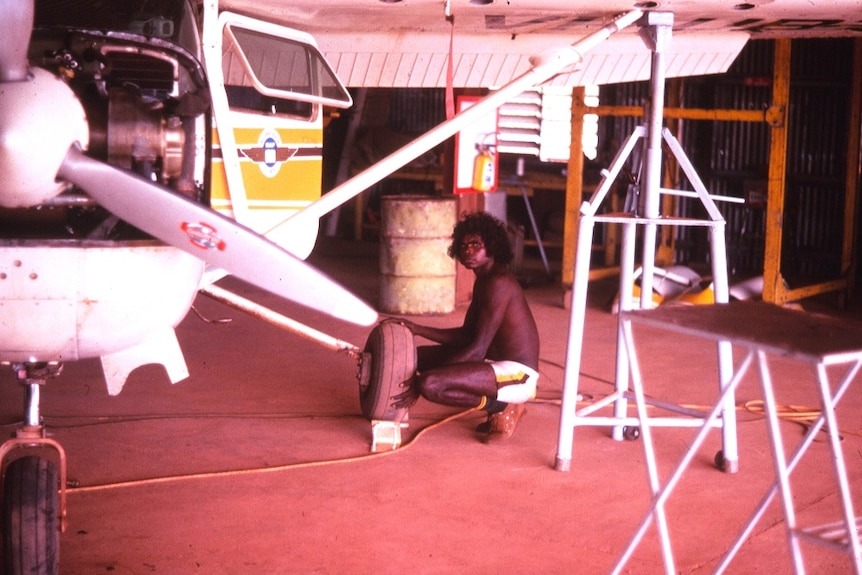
(418, 276)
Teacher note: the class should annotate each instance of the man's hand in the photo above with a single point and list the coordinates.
(407, 397)
(401, 321)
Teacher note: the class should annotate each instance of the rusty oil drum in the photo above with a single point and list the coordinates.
(418, 276)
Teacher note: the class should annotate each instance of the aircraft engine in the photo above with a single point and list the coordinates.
(116, 96)
(141, 139)
(127, 130)
(128, 104)
(105, 135)
(138, 89)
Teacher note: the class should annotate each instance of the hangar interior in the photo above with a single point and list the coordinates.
(267, 467)
(779, 132)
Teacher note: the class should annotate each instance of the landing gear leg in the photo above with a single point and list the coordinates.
(34, 484)
(389, 359)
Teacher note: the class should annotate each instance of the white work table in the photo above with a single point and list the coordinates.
(762, 329)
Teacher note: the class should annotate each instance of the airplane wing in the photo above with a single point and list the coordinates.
(375, 43)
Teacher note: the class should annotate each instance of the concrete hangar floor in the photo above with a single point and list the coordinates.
(260, 462)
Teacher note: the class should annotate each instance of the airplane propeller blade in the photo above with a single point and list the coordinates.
(17, 19)
(218, 240)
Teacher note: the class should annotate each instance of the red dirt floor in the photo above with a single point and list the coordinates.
(260, 461)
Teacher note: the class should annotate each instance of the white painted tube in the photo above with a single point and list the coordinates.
(261, 312)
(545, 66)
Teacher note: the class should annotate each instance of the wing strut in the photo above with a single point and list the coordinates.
(236, 301)
(544, 67)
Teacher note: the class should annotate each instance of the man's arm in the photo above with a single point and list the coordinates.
(461, 336)
(445, 336)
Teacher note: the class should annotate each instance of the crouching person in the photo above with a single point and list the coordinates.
(490, 362)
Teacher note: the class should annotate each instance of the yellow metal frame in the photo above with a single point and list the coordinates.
(775, 289)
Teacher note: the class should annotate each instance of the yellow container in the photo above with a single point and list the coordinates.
(418, 276)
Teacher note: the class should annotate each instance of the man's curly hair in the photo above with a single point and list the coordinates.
(490, 229)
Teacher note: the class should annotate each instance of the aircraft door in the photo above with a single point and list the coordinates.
(269, 85)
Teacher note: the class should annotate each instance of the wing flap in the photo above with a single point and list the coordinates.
(389, 60)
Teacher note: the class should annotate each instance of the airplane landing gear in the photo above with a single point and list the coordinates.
(388, 360)
(34, 484)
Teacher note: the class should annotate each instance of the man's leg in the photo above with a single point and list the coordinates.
(516, 385)
(472, 385)
(432, 356)
(458, 385)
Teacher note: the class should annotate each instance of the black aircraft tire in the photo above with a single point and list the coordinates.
(31, 504)
(388, 360)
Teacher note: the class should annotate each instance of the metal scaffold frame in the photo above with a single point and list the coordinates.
(656, 32)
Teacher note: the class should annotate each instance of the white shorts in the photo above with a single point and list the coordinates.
(516, 383)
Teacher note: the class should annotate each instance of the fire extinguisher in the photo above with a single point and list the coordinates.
(484, 175)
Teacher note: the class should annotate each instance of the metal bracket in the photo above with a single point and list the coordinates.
(774, 116)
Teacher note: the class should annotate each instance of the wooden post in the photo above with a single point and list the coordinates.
(574, 186)
(773, 282)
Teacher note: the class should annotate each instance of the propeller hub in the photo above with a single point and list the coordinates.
(40, 119)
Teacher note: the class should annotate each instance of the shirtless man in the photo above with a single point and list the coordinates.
(491, 362)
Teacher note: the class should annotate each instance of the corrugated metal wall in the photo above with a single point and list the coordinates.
(415, 111)
(732, 157)
(817, 159)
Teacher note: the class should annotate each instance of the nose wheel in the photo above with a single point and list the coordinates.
(31, 511)
(33, 505)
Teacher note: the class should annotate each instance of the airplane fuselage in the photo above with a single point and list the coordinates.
(77, 282)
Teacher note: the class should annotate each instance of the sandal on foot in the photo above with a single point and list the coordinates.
(501, 426)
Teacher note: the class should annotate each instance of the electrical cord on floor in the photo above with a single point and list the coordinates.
(796, 413)
(80, 421)
(255, 470)
(800, 414)
(277, 468)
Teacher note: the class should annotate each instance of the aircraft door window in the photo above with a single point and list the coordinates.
(279, 64)
(276, 63)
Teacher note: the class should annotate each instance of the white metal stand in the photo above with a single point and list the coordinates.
(762, 329)
(656, 33)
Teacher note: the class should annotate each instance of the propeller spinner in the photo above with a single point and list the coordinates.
(43, 130)
(40, 119)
